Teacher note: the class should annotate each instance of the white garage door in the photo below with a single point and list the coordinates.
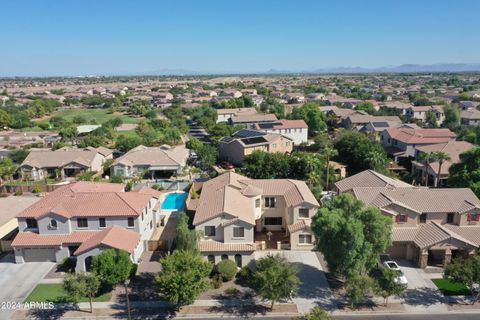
(39, 255)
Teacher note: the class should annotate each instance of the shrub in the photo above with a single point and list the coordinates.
(245, 276)
(232, 291)
(227, 269)
(37, 189)
(18, 192)
(217, 281)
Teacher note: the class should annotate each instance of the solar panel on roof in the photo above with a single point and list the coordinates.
(253, 140)
(246, 133)
(226, 139)
(380, 124)
(268, 125)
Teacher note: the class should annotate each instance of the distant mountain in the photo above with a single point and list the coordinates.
(173, 72)
(405, 68)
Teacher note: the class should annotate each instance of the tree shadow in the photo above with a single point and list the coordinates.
(244, 309)
(55, 313)
(142, 288)
(423, 297)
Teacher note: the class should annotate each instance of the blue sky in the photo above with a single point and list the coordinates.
(123, 37)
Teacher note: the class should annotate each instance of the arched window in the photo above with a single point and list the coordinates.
(238, 260)
(211, 258)
(224, 257)
(53, 223)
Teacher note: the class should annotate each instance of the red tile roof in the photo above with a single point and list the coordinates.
(421, 136)
(116, 237)
(31, 239)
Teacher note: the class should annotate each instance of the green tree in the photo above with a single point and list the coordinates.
(112, 266)
(7, 169)
(68, 133)
(185, 238)
(425, 158)
(275, 279)
(466, 173)
(387, 285)
(363, 232)
(18, 155)
(466, 271)
(357, 288)
(440, 157)
(452, 116)
(431, 120)
(125, 143)
(356, 149)
(311, 114)
(6, 119)
(183, 277)
(82, 284)
(366, 106)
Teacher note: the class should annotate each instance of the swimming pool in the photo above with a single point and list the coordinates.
(174, 201)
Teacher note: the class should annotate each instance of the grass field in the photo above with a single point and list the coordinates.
(99, 115)
(450, 288)
(53, 292)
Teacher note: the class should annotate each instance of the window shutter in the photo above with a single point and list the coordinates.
(406, 218)
(469, 217)
(397, 218)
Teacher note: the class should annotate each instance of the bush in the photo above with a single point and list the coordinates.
(18, 192)
(232, 291)
(217, 281)
(227, 269)
(37, 189)
(245, 276)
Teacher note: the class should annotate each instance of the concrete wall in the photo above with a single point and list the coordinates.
(247, 257)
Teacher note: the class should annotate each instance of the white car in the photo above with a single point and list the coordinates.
(392, 265)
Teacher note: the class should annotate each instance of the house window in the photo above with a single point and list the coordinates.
(238, 232)
(102, 223)
(53, 224)
(273, 221)
(82, 223)
(257, 203)
(287, 144)
(401, 218)
(274, 146)
(450, 217)
(32, 223)
(305, 238)
(130, 222)
(423, 218)
(270, 202)
(211, 258)
(303, 212)
(151, 225)
(142, 215)
(224, 257)
(473, 217)
(210, 231)
(238, 260)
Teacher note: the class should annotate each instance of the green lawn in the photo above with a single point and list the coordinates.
(450, 288)
(99, 115)
(53, 292)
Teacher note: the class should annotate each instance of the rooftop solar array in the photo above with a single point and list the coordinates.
(254, 140)
(268, 125)
(246, 133)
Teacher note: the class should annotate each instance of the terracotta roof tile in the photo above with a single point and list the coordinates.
(216, 246)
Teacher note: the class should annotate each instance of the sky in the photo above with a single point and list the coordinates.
(73, 37)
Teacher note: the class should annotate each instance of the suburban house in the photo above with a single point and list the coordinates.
(64, 162)
(151, 162)
(430, 169)
(402, 141)
(470, 117)
(224, 115)
(293, 97)
(358, 120)
(420, 113)
(242, 143)
(430, 226)
(375, 128)
(396, 107)
(238, 215)
(17, 139)
(80, 220)
(250, 120)
(296, 130)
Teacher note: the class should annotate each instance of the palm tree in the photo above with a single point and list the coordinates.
(376, 160)
(425, 158)
(329, 153)
(441, 157)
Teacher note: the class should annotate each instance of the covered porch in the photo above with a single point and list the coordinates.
(272, 240)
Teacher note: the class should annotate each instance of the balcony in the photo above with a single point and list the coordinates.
(271, 240)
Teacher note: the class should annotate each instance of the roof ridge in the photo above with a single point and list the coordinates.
(123, 193)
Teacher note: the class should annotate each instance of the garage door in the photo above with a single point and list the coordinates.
(398, 251)
(39, 255)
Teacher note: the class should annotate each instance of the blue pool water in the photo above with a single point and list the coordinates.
(174, 201)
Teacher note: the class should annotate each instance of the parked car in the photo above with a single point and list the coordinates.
(392, 265)
(227, 165)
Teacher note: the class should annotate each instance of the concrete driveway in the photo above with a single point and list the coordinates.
(422, 294)
(314, 290)
(18, 280)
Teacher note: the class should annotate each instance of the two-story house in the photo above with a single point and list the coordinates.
(402, 141)
(420, 113)
(233, 211)
(244, 142)
(79, 220)
(296, 130)
(429, 226)
(470, 117)
(224, 115)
